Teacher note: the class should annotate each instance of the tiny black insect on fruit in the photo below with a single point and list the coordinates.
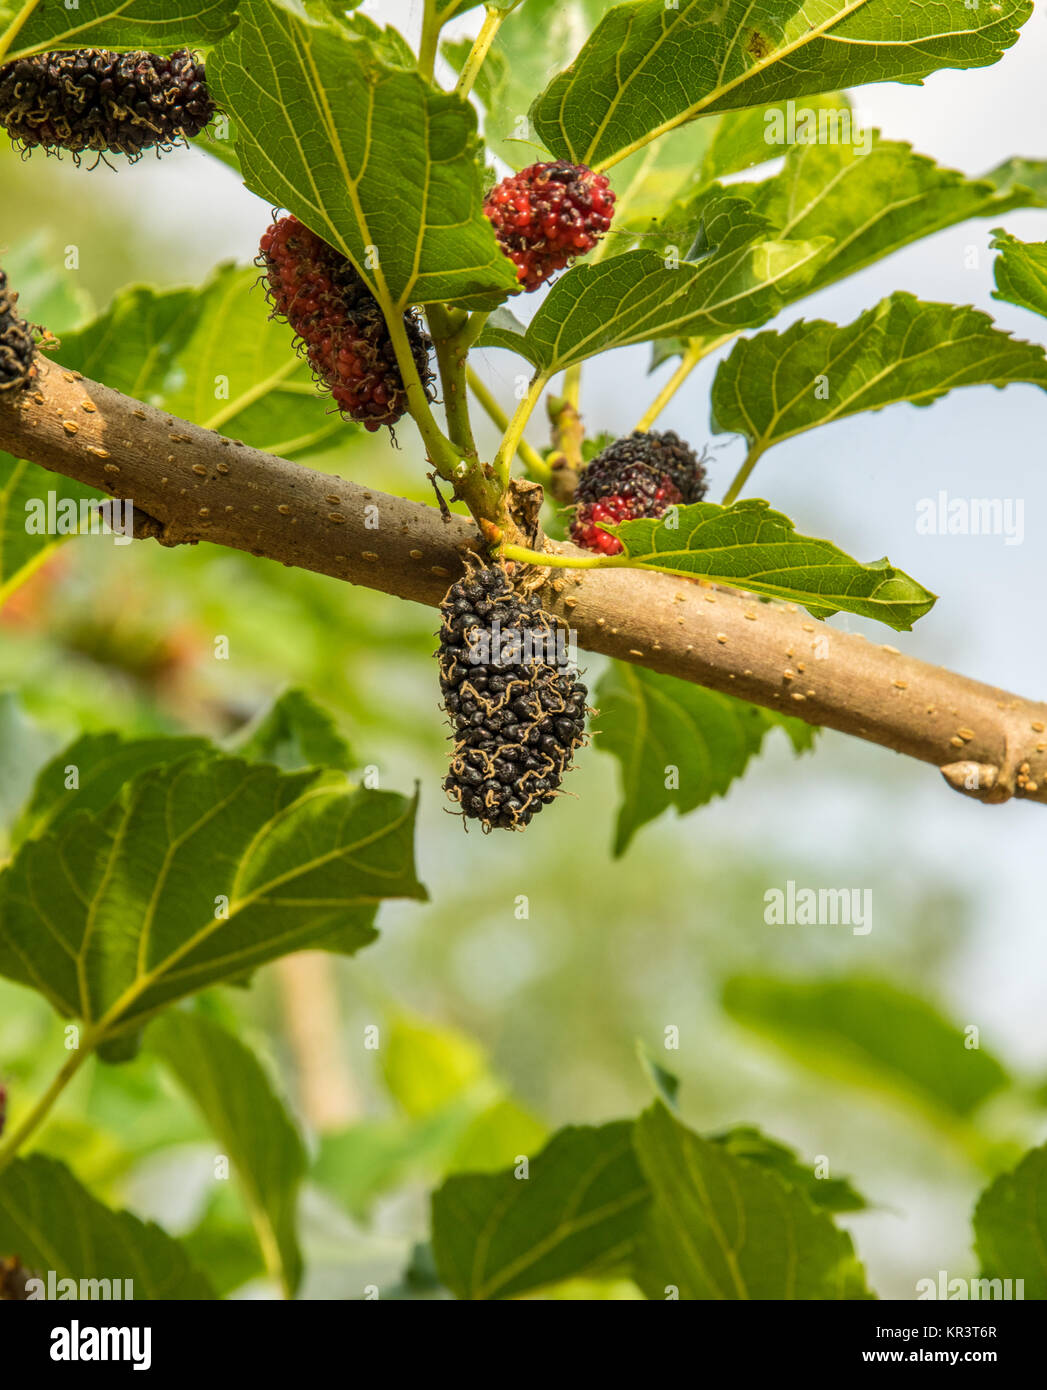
(517, 706)
(90, 99)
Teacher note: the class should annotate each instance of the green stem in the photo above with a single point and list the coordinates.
(742, 476)
(469, 477)
(572, 379)
(562, 562)
(516, 426)
(431, 25)
(699, 348)
(447, 327)
(15, 27)
(479, 51)
(530, 456)
(41, 1110)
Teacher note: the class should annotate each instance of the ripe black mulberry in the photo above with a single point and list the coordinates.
(640, 476)
(548, 214)
(517, 706)
(16, 342)
(339, 324)
(92, 100)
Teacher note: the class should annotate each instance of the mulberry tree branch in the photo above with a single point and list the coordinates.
(189, 484)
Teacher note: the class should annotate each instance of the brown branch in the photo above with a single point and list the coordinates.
(192, 485)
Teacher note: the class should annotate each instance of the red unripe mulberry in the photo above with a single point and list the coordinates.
(339, 324)
(548, 214)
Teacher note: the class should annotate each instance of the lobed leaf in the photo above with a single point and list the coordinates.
(201, 871)
(874, 202)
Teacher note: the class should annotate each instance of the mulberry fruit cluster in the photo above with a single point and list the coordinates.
(517, 706)
(91, 99)
(639, 476)
(547, 214)
(339, 324)
(16, 342)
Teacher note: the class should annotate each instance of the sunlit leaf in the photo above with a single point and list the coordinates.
(776, 385)
(1021, 272)
(322, 124)
(649, 67)
(751, 547)
(159, 26)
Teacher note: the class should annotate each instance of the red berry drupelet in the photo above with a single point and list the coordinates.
(340, 324)
(547, 214)
(95, 100)
(639, 476)
(517, 706)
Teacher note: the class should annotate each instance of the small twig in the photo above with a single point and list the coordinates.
(431, 26)
(698, 349)
(481, 47)
(531, 458)
(752, 458)
(514, 430)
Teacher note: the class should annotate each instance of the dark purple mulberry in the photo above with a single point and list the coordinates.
(91, 99)
(638, 476)
(517, 706)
